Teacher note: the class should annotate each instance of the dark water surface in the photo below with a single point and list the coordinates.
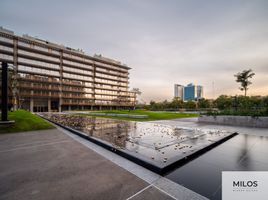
(241, 153)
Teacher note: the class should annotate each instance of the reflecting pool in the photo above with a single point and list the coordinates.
(154, 145)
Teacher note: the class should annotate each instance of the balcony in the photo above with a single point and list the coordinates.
(34, 79)
(28, 94)
(34, 87)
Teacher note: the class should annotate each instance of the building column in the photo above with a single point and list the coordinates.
(61, 75)
(69, 107)
(49, 105)
(31, 105)
(82, 108)
(15, 63)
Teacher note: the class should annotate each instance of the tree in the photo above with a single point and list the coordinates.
(12, 87)
(136, 92)
(190, 105)
(154, 105)
(223, 102)
(243, 78)
(176, 103)
(203, 103)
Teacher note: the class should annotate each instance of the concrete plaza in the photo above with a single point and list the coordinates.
(51, 164)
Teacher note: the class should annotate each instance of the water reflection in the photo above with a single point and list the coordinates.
(243, 152)
(158, 143)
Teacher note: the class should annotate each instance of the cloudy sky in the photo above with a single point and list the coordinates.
(163, 41)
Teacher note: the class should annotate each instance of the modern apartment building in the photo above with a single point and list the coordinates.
(52, 77)
(190, 92)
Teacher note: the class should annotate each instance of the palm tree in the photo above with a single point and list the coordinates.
(243, 78)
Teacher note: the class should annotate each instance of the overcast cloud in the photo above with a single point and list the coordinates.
(164, 42)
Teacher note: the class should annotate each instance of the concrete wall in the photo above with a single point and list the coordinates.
(261, 122)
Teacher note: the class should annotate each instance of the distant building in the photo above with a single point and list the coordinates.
(199, 92)
(190, 92)
(193, 92)
(178, 91)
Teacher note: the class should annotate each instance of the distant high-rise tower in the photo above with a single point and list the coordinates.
(199, 92)
(178, 91)
(190, 92)
(193, 92)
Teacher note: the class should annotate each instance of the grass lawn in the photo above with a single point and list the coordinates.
(25, 121)
(152, 116)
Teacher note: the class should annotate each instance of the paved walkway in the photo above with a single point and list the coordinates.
(55, 164)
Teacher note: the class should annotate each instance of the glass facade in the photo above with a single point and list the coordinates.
(189, 93)
(193, 92)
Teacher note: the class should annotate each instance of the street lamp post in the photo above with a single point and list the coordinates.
(4, 91)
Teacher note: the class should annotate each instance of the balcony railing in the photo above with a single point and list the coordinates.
(39, 79)
(39, 95)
